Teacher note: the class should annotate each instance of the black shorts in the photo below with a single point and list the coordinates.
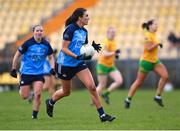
(67, 73)
(28, 79)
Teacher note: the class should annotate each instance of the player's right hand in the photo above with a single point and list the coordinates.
(13, 73)
(83, 57)
(118, 51)
(117, 56)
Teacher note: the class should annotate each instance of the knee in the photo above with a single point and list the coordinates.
(92, 88)
(23, 95)
(45, 88)
(165, 77)
(139, 83)
(37, 95)
(119, 82)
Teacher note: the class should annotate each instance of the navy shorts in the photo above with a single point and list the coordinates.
(67, 73)
(28, 79)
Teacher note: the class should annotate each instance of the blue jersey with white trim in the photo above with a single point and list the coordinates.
(77, 37)
(34, 56)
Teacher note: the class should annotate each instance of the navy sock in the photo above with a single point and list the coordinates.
(52, 102)
(129, 98)
(34, 114)
(100, 111)
(106, 93)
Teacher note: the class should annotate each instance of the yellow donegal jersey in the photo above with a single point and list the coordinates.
(151, 56)
(109, 45)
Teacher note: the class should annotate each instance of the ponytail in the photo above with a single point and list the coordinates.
(146, 25)
(68, 21)
(79, 12)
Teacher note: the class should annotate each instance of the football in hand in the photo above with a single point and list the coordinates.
(87, 49)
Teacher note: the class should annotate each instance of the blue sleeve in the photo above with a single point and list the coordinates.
(68, 33)
(23, 48)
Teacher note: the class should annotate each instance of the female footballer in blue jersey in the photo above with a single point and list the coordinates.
(71, 63)
(34, 52)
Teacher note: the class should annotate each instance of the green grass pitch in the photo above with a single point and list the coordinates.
(74, 112)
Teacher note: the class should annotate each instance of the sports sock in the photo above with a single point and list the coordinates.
(100, 111)
(52, 102)
(106, 93)
(34, 114)
(158, 96)
(128, 99)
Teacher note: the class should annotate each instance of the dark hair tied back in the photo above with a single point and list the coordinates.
(147, 24)
(75, 15)
(144, 26)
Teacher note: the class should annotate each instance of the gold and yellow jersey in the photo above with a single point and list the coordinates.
(108, 45)
(151, 56)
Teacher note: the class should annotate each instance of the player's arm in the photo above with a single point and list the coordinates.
(52, 64)
(51, 61)
(66, 50)
(107, 53)
(13, 71)
(149, 45)
(15, 59)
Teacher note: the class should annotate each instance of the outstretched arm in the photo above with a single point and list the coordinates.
(15, 59)
(13, 71)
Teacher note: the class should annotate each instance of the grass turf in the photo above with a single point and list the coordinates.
(74, 112)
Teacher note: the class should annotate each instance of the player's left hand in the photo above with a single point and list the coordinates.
(53, 72)
(97, 47)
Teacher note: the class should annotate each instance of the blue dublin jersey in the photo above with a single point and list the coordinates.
(34, 56)
(77, 37)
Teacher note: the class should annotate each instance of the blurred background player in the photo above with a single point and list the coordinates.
(174, 39)
(106, 65)
(71, 63)
(34, 52)
(149, 62)
(50, 80)
(49, 83)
